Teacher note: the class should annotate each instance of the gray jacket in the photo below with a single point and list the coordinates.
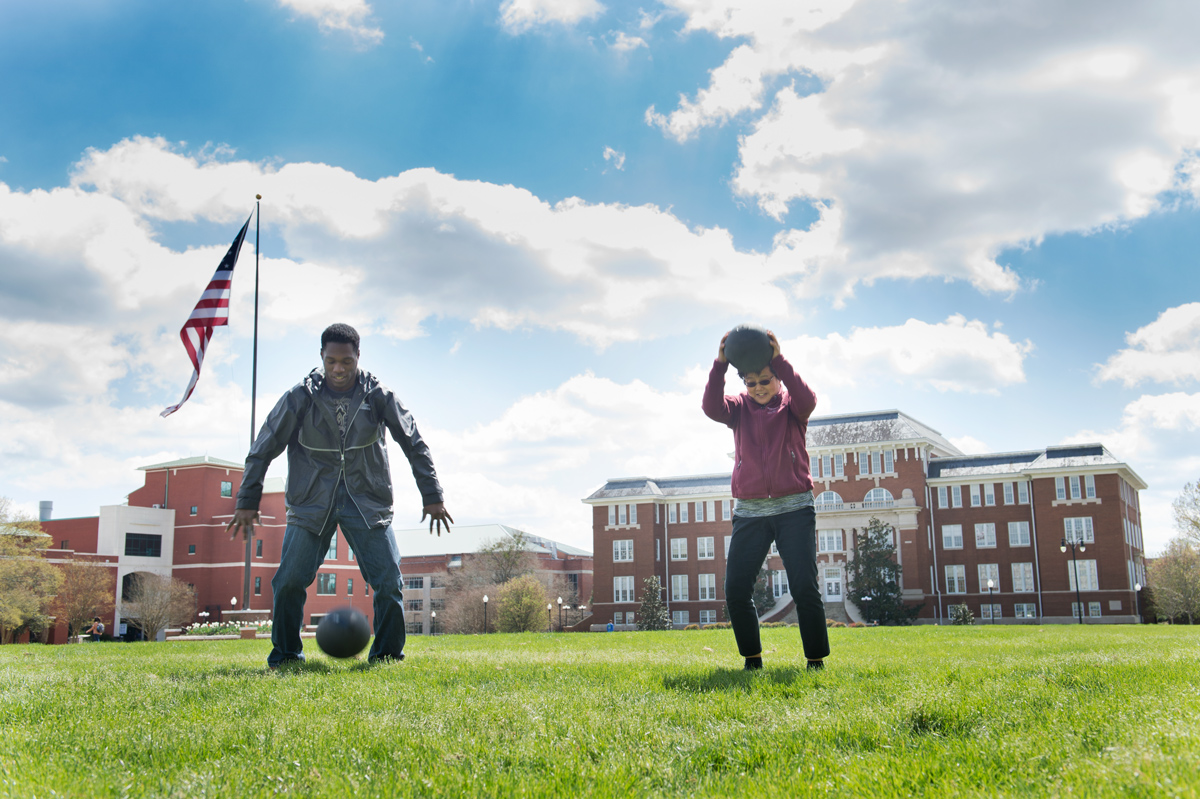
(303, 422)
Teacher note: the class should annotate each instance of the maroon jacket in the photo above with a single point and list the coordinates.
(770, 459)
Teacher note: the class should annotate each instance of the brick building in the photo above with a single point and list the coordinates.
(175, 523)
(960, 520)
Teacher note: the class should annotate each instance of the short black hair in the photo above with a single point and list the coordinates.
(742, 374)
(340, 333)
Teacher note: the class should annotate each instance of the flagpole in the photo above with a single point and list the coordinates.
(253, 386)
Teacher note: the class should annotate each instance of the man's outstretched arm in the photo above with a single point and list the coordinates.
(404, 430)
(272, 440)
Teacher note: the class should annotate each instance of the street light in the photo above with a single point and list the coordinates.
(485, 613)
(1073, 544)
(560, 614)
(233, 601)
(432, 621)
(548, 607)
(1137, 601)
(991, 607)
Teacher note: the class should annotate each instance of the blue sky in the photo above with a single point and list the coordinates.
(542, 215)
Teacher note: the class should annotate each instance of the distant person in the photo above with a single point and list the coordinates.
(332, 425)
(96, 630)
(773, 489)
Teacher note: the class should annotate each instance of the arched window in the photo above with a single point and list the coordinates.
(829, 500)
(878, 498)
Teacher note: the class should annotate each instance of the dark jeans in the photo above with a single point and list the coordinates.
(795, 535)
(303, 553)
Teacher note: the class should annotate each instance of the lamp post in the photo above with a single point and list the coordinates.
(991, 607)
(432, 621)
(1073, 544)
(1137, 601)
(560, 614)
(548, 625)
(485, 613)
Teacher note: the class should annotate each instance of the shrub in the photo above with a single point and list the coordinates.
(961, 614)
(522, 602)
(857, 624)
(692, 627)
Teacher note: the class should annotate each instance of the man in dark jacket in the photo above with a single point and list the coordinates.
(332, 426)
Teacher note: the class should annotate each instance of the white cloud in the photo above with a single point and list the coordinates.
(1165, 351)
(624, 43)
(348, 16)
(414, 44)
(943, 134)
(614, 157)
(954, 355)
(521, 15)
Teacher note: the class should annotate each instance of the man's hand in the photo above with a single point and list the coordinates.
(774, 345)
(437, 514)
(721, 352)
(243, 519)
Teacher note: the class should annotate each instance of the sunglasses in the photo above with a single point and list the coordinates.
(753, 383)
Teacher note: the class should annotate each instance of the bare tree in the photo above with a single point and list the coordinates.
(1187, 512)
(28, 582)
(1175, 577)
(464, 612)
(157, 602)
(87, 591)
(508, 557)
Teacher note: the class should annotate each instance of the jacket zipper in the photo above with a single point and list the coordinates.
(342, 470)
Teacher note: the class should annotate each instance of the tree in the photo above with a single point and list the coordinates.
(522, 602)
(1187, 512)
(86, 592)
(763, 597)
(156, 602)
(28, 582)
(464, 611)
(874, 577)
(961, 614)
(1175, 576)
(652, 613)
(507, 557)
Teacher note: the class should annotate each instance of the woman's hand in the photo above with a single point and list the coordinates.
(770, 337)
(721, 352)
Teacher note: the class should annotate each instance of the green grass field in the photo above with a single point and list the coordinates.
(937, 711)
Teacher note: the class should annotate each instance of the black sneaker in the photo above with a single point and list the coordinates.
(816, 665)
(752, 664)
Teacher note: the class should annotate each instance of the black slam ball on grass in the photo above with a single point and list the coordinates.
(343, 633)
(748, 349)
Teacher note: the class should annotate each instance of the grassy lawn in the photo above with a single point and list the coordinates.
(938, 711)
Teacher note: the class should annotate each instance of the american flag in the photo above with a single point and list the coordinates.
(212, 310)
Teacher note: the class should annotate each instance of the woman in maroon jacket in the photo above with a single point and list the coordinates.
(773, 488)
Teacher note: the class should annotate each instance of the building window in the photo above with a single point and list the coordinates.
(989, 494)
(828, 500)
(366, 588)
(1089, 486)
(1060, 488)
(1025, 610)
(728, 539)
(414, 583)
(1022, 577)
(705, 548)
(699, 511)
(1018, 534)
(725, 510)
(712, 510)
(779, 583)
(989, 612)
(679, 588)
(191, 549)
(1009, 496)
(875, 466)
(612, 515)
(258, 548)
(829, 540)
(671, 513)
(708, 586)
(774, 549)
(1023, 493)
(943, 499)
(633, 514)
(657, 550)
(656, 512)
(956, 579)
(679, 617)
(975, 494)
(143, 545)
(258, 586)
(572, 584)
(839, 465)
(623, 550)
(952, 536)
(1093, 608)
(678, 549)
(989, 571)
(956, 496)
(708, 617)
(326, 584)
(1075, 493)
(878, 498)
(622, 589)
(417, 604)
(1079, 528)
(683, 512)
(1087, 575)
(621, 514)
(985, 536)
(195, 510)
(889, 462)
(226, 488)
(64, 544)
(863, 468)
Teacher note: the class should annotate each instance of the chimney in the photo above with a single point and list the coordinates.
(45, 510)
